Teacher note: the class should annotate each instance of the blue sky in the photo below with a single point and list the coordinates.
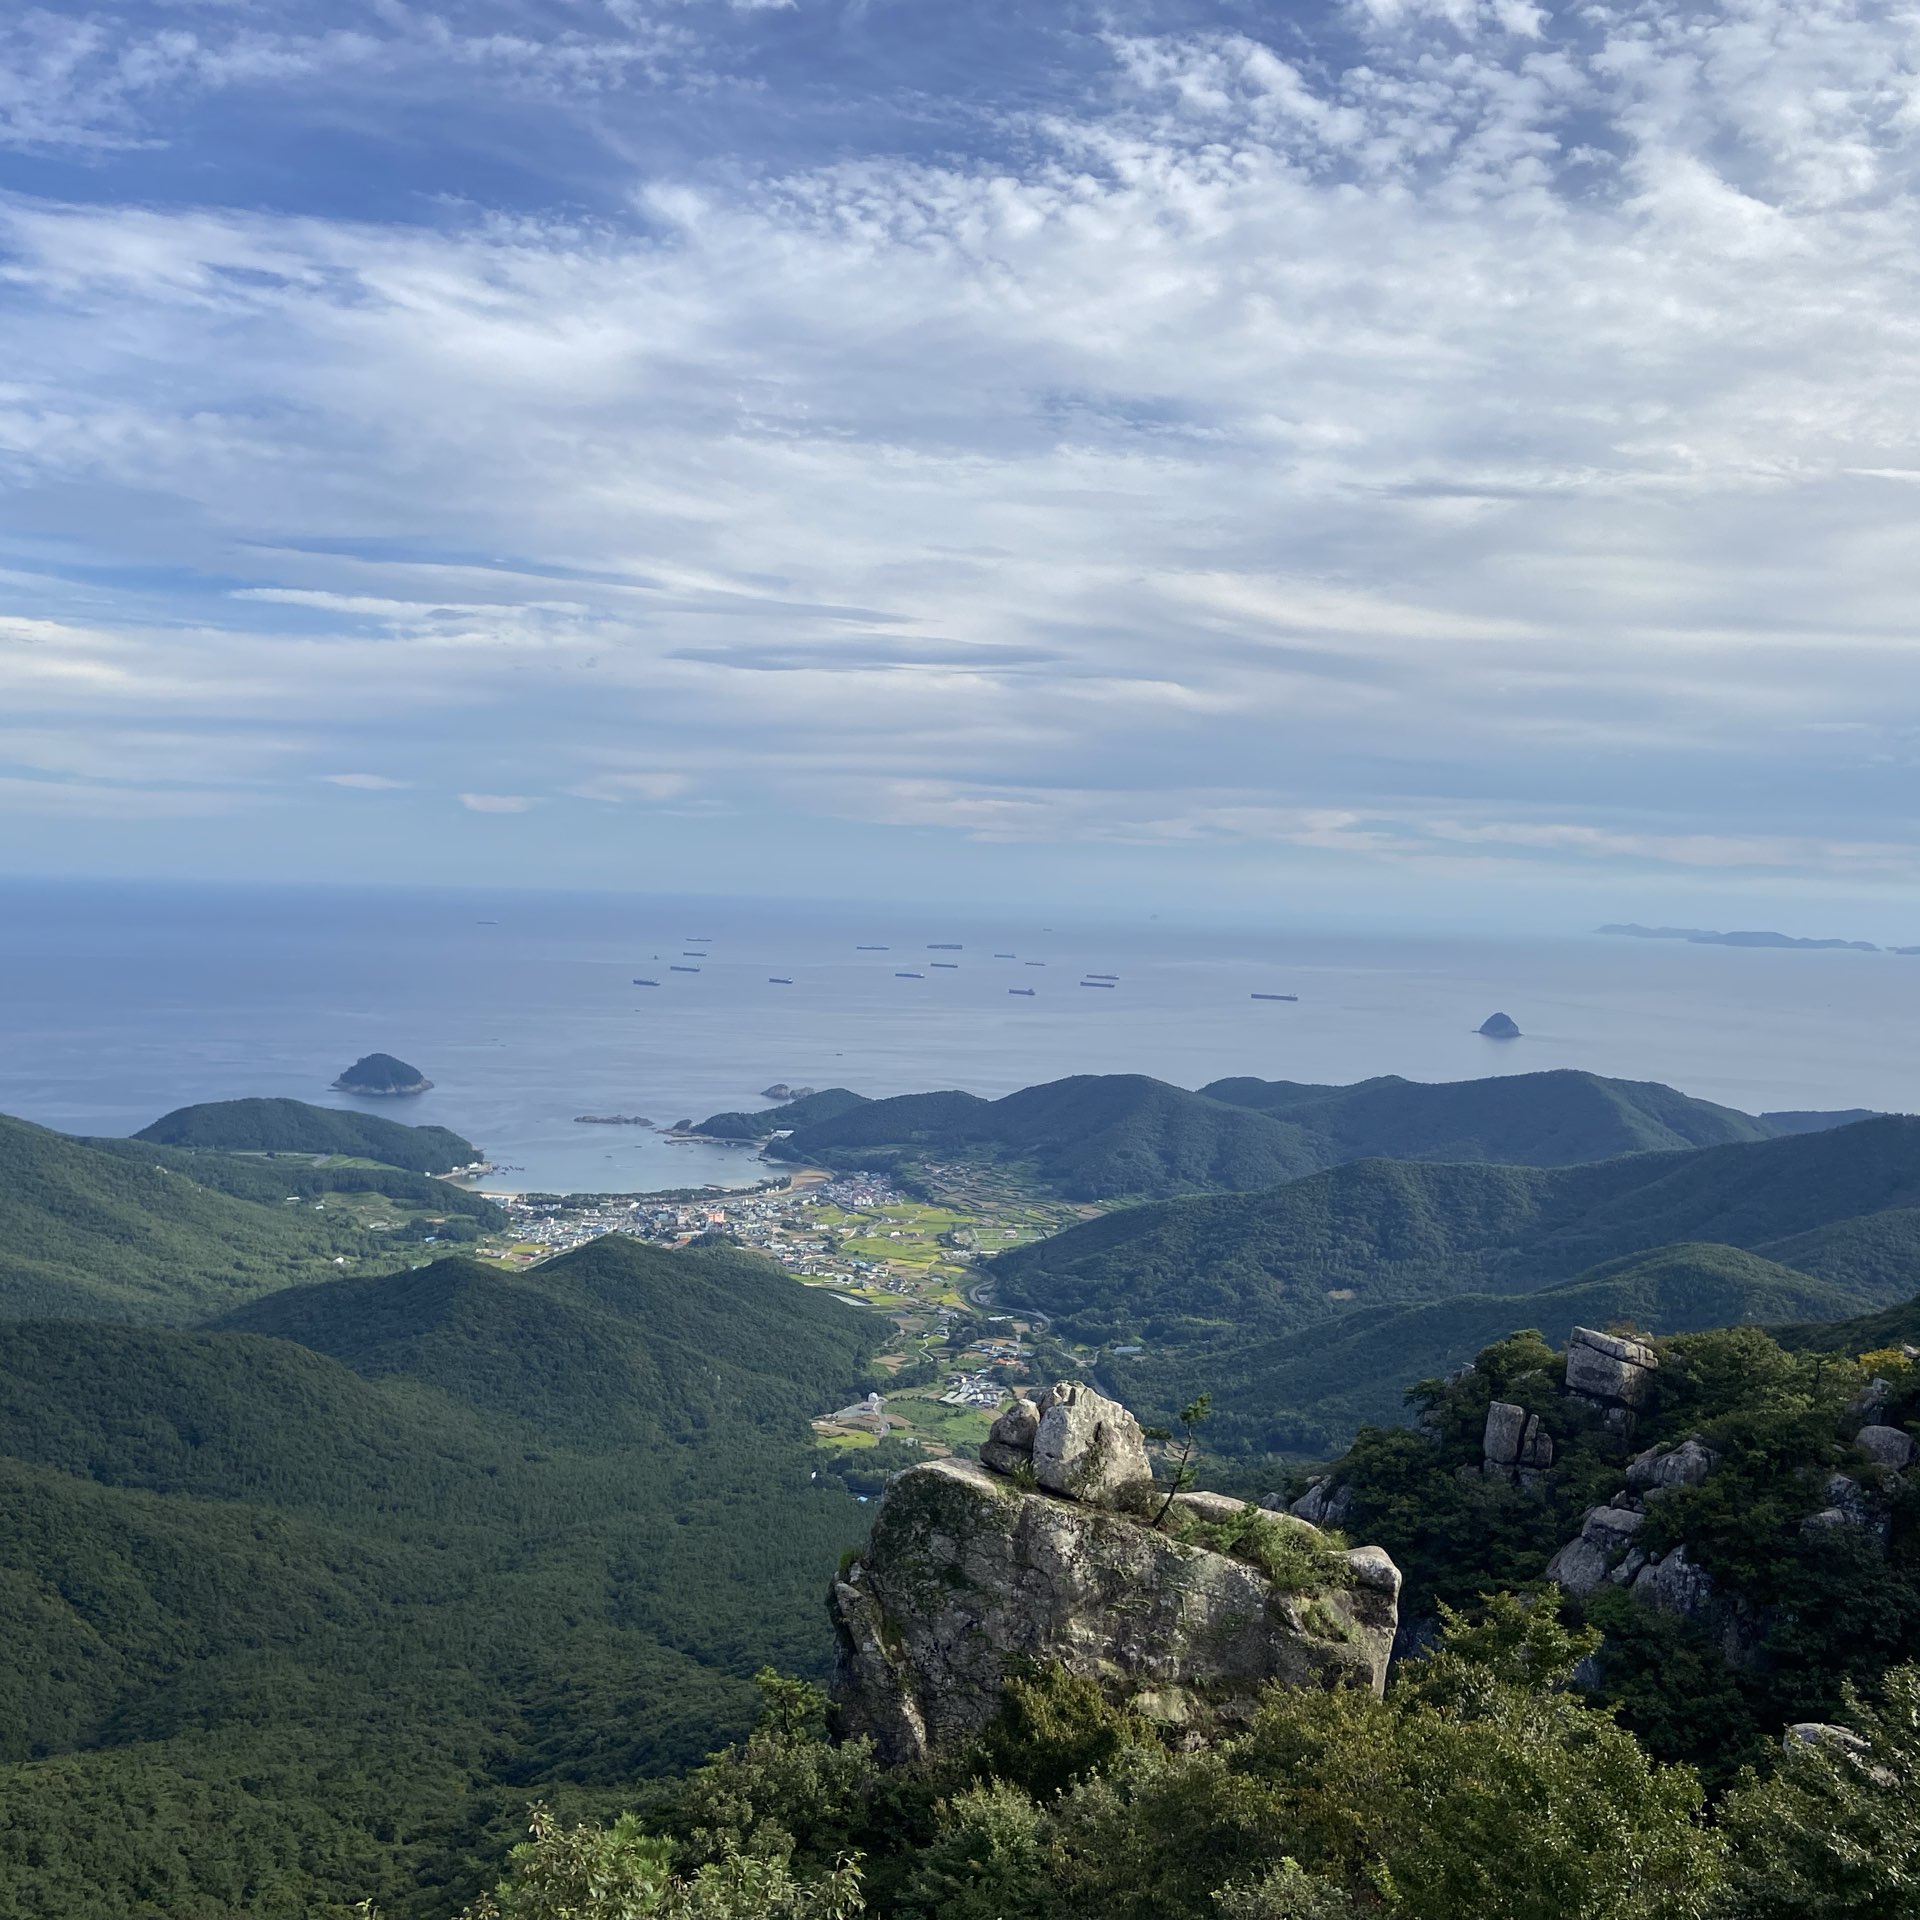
(1451, 457)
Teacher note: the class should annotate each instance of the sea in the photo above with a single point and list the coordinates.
(122, 1001)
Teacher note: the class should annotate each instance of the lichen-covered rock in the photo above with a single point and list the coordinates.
(1087, 1446)
(969, 1578)
(1604, 1367)
(1586, 1560)
(1660, 1468)
(1885, 1446)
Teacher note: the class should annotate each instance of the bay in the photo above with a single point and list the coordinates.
(119, 1001)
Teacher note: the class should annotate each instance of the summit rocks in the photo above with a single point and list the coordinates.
(1043, 1556)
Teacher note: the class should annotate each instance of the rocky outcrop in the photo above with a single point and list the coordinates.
(1886, 1446)
(1325, 1503)
(973, 1575)
(1602, 1549)
(1674, 1584)
(1500, 1026)
(1514, 1446)
(1661, 1468)
(1074, 1441)
(1849, 1504)
(1611, 1373)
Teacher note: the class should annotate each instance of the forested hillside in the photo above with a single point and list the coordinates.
(467, 1538)
(292, 1126)
(1124, 1136)
(121, 1230)
(1301, 1307)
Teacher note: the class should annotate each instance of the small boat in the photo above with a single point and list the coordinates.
(944, 946)
(1107, 984)
(638, 982)
(1103, 976)
(909, 976)
(873, 949)
(689, 954)
(1026, 993)
(952, 966)
(778, 980)
(1036, 963)
(683, 969)
(1273, 996)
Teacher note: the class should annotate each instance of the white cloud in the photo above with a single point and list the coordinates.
(1476, 450)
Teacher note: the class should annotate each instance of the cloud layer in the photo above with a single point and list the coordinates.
(1474, 435)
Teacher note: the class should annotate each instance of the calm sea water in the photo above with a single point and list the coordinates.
(120, 1002)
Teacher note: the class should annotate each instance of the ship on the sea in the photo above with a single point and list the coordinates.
(1274, 996)
(944, 946)
(1006, 956)
(1108, 984)
(683, 969)
(638, 982)
(690, 954)
(873, 949)
(909, 976)
(952, 966)
(1026, 993)
(778, 980)
(1103, 976)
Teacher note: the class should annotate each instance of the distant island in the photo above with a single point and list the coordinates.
(383, 1075)
(1705, 937)
(781, 1091)
(1500, 1026)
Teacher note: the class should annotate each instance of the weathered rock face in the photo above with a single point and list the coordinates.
(1662, 1467)
(1515, 1444)
(1088, 1446)
(1324, 1504)
(970, 1578)
(1885, 1446)
(1076, 1442)
(1608, 1369)
(1604, 1547)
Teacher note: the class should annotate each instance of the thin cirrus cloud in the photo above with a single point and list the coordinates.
(1447, 437)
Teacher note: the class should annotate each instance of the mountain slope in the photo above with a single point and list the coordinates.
(1305, 1390)
(1530, 1119)
(526, 1539)
(129, 1234)
(291, 1126)
(1213, 1278)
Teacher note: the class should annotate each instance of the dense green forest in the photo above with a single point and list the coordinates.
(292, 1126)
(1305, 1307)
(305, 1608)
(1124, 1136)
(130, 1230)
(1541, 1752)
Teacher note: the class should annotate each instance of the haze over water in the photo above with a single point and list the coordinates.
(120, 1002)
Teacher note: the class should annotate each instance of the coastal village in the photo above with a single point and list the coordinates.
(858, 1236)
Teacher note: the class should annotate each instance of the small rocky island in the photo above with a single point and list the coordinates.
(1058, 1549)
(1499, 1026)
(382, 1075)
(781, 1091)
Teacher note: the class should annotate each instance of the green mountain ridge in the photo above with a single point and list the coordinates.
(1223, 1288)
(292, 1126)
(1099, 1137)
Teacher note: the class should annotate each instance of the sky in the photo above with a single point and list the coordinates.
(1446, 458)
